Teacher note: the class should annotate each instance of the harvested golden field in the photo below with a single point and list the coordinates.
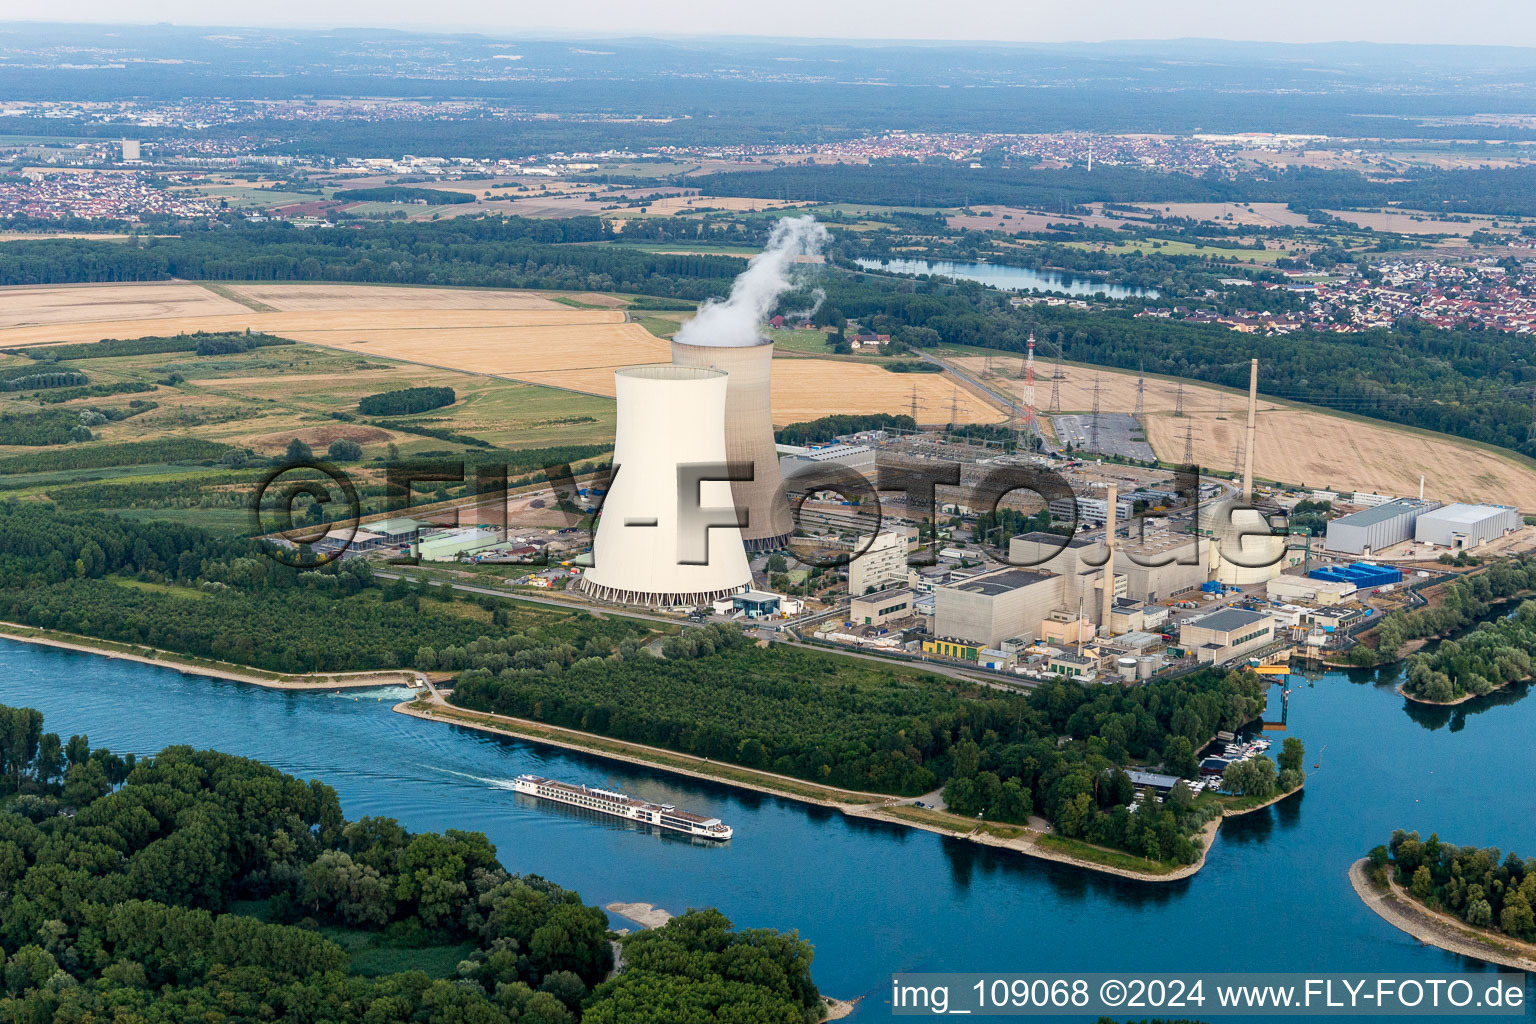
(25, 305)
(339, 327)
(288, 297)
(1013, 219)
(1262, 214)
(805, 389)
(509, 334)
(1410, 222)
(1293, 444)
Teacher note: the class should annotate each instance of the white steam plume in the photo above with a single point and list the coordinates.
(736, 321)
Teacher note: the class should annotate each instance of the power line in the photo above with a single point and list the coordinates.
(1093, 427)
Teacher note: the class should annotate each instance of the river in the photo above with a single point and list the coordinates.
(1010, 278)
(876, 898)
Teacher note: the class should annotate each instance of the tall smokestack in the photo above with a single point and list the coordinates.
(749, 436)
(668, 416)
(1109, 559)
(1253, 411)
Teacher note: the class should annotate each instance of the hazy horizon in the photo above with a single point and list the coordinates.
(1415, 22)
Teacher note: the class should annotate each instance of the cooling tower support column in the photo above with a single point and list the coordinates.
(668, 417)
(749, 436)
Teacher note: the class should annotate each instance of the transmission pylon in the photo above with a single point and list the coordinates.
(954, 406)
(1178, 401)
(1093, 425)
(1189, 444)
(1141, 395)
(1237, 459)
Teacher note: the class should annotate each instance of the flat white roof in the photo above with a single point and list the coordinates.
(1465, 515)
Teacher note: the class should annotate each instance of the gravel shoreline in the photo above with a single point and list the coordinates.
(1433, 929)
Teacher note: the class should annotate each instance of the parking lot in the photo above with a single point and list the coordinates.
(1119, 434)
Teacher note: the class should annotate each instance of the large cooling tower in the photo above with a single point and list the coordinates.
(749, 436)
(668, 416)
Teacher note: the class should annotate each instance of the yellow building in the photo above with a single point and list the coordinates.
(957, 649)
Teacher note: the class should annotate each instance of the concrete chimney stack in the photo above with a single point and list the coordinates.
(1253, 411)
(1109, 556)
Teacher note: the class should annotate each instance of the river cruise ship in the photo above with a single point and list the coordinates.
(605, 801)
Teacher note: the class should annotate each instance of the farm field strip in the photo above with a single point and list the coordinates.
(1293, 444)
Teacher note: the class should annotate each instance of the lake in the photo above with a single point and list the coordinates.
(874, 898)
(1011, 279)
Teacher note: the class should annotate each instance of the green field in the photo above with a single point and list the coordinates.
(262, 399)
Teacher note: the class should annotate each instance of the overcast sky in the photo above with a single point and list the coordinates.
(1511, 22)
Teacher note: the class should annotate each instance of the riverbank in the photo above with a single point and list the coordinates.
(1406, 914)
(854, 804)
(201, 667)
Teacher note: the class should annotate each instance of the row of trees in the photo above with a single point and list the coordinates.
(121, 908)
(204, 343)
(1472, 883)
(114, 455)
(44, 381)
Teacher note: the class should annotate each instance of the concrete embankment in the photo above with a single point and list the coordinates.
(197, 667)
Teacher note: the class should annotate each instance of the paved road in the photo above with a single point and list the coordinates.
(570, 606)
(937, 668)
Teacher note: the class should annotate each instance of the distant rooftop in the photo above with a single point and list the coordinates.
(1385, 511)
(1000, 582)
(1228, 619)
(1077, 540)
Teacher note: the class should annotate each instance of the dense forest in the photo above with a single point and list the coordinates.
(1509, 192)
(405, 401)
(62, 426)
(225, 600)
(403, 194)
(1471, 883)
(891, 729)
(493, 252)
(1494, 654)
(1462, 602)
(826, 428)
(194, 885)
